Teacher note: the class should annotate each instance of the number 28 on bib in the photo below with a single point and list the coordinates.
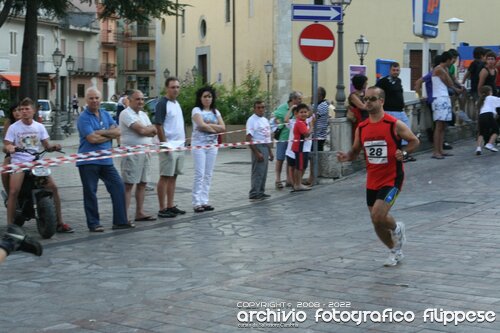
(376, 151)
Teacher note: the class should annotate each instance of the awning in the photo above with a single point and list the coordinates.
(14, 79)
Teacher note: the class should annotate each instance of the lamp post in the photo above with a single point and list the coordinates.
(340, 109)
(194, 72)
(70, 66)
(166, 73)
(454, 24)
(57, 134)
(361, 44)
(268, 67)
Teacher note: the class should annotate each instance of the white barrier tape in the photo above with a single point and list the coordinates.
(121, 152)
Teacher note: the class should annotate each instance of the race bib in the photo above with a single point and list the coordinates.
(376, 151)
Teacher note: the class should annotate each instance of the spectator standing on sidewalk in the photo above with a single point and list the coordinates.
(301, 146)
(474, 69)
(97, 130)
(169, 122)
(295, 98)
(207, 122)
(488, 126)
(136, 129)
(441, 104)
(259, 129)
(380, 137)
(394, 103)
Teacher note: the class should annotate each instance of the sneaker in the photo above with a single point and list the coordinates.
(490, 147)
(176, 210)
(265, 196)
(18, 240)
(399, 236)
(478, 151)
(394, 258)
(447, 146)
(64, 229)
(254, 199)
(166, 213)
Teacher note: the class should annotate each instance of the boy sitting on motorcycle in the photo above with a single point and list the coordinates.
(28, 134)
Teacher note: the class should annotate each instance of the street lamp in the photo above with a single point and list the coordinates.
(268, 67)
(166, 73)
(340, 109)
(57, 58)
(454, 24)
(361, 44)
(194, 72)
(70, 66)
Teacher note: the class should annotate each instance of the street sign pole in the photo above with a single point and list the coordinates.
(315, 169)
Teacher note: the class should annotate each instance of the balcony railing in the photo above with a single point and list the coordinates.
(108, 70)
(108, 38)
(83, 64)
(144, 65)
(140, 32)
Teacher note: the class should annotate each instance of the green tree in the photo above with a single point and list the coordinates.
(132, 10)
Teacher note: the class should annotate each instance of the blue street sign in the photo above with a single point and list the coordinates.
(317, 13)
(426, 18)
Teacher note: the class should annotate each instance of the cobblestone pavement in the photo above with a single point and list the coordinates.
(309, 250)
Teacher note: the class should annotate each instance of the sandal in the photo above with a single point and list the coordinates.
(207, 208)
(279, 185)
(199, 209)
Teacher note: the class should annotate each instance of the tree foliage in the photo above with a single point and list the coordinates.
(131, 10)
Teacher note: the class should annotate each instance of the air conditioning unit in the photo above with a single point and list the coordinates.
(132, 78)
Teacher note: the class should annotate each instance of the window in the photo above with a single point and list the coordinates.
(40, 50)
(183, 22)
(251, 11)
(203, 28)
(80, 90)
(228, 11)
(13, 42)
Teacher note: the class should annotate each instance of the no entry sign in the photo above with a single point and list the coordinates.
(316, 42)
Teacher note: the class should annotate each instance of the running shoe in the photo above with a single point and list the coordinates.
(399, 236)
(394, 258)
(490, 147)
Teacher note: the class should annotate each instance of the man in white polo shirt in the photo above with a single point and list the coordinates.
(169, 123)
(136, 129)
(259, 129)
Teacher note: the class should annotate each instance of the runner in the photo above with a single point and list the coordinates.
(380, 135)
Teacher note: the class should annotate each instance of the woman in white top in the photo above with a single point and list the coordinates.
(207, 123)
(488, 126)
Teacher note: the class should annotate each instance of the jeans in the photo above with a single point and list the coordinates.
(204, 162)
(90, 175)
(401, 115)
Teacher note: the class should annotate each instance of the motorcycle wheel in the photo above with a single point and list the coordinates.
(19, 219)
(47, 220)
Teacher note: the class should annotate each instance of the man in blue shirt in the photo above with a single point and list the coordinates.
(97, 130)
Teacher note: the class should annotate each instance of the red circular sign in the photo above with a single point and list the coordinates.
(316, 42)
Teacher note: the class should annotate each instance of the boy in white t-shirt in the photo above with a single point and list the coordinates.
(29, 134)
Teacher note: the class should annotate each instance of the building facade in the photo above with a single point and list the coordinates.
(223, 37)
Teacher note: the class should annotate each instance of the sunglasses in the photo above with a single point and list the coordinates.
(371, 98)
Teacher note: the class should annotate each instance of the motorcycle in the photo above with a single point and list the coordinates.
(34, 200)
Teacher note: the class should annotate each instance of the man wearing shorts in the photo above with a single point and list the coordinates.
(169, 123)
(136, 129)
(380, 136)
(441, 104)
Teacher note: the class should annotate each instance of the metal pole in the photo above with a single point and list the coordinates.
(70, 105)
(315, 110)
(425, 56)
(268, 108)
(340, 109)
(57, 133)
(361, 58)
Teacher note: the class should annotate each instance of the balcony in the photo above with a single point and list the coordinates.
(140, 33)
(45, 67)
(108, 38)
(86, 65)
(108, 70)
(141, 66)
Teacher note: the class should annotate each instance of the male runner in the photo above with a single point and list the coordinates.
(380, 136)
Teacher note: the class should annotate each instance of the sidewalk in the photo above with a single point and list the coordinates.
(309, 250)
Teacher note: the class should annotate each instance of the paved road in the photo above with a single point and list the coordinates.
(313, 250)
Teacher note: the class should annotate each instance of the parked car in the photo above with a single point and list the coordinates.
(45, 108)
(111, 107)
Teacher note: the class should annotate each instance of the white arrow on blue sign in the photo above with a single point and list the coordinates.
(316, 13)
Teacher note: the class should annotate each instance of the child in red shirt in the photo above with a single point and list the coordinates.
(301, 131)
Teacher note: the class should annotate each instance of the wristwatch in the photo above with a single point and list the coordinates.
(405, 153)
